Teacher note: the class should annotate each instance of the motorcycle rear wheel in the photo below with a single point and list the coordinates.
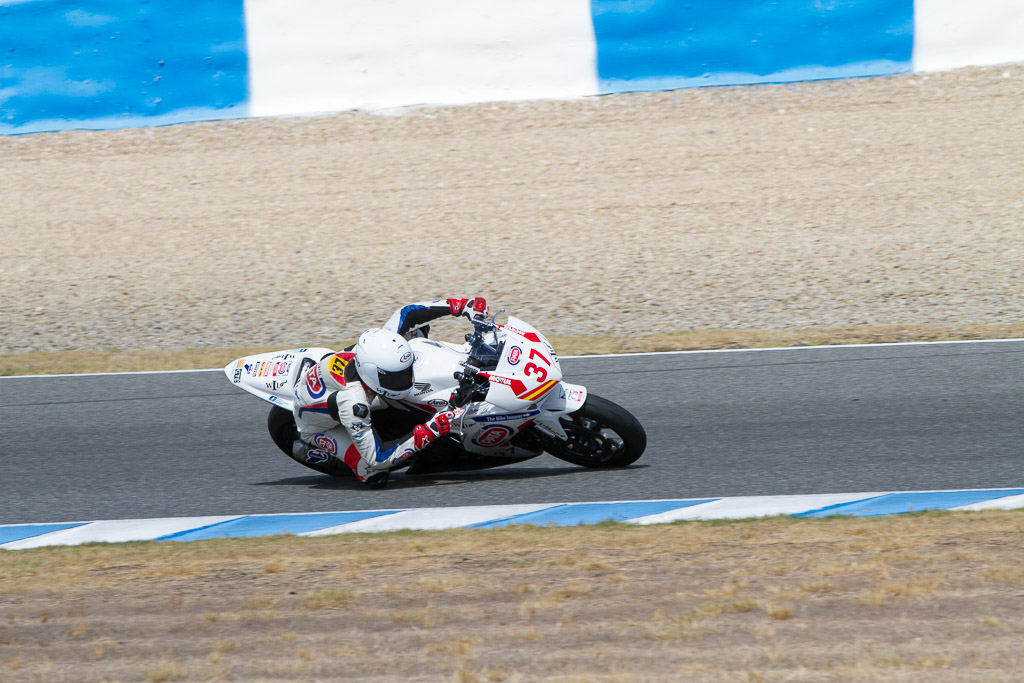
(281, 425)
(600, 434)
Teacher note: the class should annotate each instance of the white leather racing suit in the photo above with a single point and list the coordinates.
(332, 406)
(408, 317)
(332, 414)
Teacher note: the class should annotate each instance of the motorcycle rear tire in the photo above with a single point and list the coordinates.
(281, 425)
(589, 445)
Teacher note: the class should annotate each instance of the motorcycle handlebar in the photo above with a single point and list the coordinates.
(469, 389)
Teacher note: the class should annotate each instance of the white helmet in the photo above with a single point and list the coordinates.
(384, 363)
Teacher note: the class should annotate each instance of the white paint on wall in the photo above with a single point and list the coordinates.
(310, 56)
(949, 34)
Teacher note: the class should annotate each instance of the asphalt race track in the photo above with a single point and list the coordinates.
(812, 420)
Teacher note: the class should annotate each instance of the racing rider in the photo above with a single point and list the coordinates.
(333, 397)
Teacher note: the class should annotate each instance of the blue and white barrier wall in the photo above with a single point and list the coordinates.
(120, 63)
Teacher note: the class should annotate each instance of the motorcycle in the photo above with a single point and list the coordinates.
(504, 383)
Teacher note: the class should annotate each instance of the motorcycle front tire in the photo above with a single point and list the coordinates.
(601, 434)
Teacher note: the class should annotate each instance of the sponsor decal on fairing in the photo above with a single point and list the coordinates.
(516, 385)
(511, 417)
(492, 436)
(515, 355)
(529, 336)
(535, 394)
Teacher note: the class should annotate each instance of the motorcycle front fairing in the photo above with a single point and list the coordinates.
(526, 371)
(487, 429)
(525, 388)
(565, 399)
(486, 425)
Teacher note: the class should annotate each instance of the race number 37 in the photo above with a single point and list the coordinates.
(532, 369)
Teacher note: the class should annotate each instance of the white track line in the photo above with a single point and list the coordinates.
(597, 355)
(105, 374)
(796, 348)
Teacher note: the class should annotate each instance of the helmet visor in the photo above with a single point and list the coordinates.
(400, 380)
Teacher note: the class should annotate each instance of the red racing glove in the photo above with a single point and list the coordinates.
(479, 308)
(457, 306)
(439, 425)
(472, 308)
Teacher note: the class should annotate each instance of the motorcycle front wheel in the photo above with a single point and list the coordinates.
(600, 434)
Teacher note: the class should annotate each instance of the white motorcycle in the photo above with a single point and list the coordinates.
(506, 379)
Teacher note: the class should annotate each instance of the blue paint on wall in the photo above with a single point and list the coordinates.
(914, 501)
(572, 514)
(20, 531)
(120, 63)
(270, 525)
(666, 44)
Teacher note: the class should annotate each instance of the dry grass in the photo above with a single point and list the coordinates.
(918, 586)
(774, 611)
(1005, 574)
(931, 595)
(101, 648)
(75, 362)
(258, 602)
(328, 598)
(427, 617)
(456, 647)
(167, 672)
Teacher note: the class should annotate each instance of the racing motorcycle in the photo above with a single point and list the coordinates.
(506, 381)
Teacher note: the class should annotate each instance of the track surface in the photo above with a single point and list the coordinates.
(814, 420)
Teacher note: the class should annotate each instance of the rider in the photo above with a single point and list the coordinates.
(333, 397)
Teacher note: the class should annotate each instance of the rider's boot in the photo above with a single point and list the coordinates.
(373, 477)
(378, 480)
